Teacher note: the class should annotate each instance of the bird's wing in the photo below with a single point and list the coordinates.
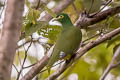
(68, 42)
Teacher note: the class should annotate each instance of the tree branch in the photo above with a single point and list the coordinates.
(38, 66)
(84, 20)
(10, 36)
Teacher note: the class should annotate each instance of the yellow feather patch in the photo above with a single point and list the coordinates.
(67, 57)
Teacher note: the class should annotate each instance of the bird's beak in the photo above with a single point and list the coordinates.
(54, 19)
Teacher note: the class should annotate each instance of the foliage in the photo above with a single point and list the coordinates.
(51, 32)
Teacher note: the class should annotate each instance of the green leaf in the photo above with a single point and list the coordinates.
(72, 14)
(116, 47)
(114, 40)
(27, 3)
(100, 53)
(82, 69)
(113, 22)
(117, 59)
(49, 11)
(30, 28)
(33, 15)
(79, 5)
(32, 59)
(21, 55)
(95, 7)
(115, 3)
(51, 32)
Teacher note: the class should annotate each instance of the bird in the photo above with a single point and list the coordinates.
(68, 41)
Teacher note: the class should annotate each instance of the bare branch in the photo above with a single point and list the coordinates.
(28, 41)
(38, 66)
(10, 36)
(84, 21)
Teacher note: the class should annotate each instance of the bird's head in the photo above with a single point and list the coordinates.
(62, 18)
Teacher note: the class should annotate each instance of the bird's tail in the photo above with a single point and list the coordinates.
(53, 59)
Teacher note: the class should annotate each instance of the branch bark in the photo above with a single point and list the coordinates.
(38, 66)
(10, 36)
(84, 20)
(36, 69)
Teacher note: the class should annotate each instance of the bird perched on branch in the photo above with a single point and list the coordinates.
(67, 42)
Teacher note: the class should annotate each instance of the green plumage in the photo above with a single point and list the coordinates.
(68, 41)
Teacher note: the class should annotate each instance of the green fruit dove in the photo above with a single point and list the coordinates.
(68, 40)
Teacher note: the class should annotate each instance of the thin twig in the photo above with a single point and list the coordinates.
(95, 36)
(90, 7)
(38, 5)
(52, 66)
(29, 66)
(91, 37)
(36, 69)
(19, 57)
(24, 60)
(15, 68)
(28, 41)
(116, 65)
(108, 2)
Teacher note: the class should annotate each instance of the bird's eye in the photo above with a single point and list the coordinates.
(61, 16)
